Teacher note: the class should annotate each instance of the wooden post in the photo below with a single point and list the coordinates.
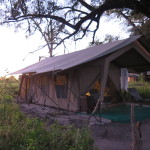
(136, 131)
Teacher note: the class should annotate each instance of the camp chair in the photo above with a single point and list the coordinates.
(135, 94)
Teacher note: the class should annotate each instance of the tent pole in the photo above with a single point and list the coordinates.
(105, 73)
(103, 84)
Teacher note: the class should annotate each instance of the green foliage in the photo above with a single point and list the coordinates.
(19, 132)
(125, 95)
(142, 86)
(9, 88)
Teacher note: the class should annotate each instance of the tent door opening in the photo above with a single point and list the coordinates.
(111, 95)
(92, 96)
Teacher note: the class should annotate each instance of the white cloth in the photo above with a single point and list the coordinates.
(124, 79)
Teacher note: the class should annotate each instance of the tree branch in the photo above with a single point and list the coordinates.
(32, 16)
(130, 22)
(67, 37)
(86, 5)
(78, 15)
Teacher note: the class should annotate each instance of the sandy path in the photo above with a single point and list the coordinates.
(117, 136)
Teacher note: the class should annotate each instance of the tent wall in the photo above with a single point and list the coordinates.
(87, 76)
(114, 74)
(24, 88)
(73, 91)
(40, 89)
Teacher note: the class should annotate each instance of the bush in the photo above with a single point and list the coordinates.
(142, 86)
(18, 132)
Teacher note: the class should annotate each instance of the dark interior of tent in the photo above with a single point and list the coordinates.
(133, 61)
(111, 95)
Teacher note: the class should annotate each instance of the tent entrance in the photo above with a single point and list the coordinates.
(111, 95)
(92, 96)
(89, 99)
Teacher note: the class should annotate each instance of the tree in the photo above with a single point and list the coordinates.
(108, 38)
(49, 31)
(78, 16)
(138, 23)
(144, 29)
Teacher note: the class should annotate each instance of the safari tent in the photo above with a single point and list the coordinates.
(79, 80)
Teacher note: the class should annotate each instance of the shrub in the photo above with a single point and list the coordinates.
(142, 86)
(18, 132)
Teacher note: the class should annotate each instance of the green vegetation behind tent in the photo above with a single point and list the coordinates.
(142, 86)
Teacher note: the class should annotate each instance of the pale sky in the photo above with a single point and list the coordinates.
(14, 47)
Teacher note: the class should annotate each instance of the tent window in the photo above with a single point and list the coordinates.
(61, 86)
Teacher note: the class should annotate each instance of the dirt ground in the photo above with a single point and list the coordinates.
(106, 134)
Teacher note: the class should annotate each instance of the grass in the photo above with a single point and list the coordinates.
(19, 132)
(9, 88)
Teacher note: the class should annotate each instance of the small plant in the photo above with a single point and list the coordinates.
(125, 95)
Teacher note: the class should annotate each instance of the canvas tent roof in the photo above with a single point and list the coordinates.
(73, 59)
